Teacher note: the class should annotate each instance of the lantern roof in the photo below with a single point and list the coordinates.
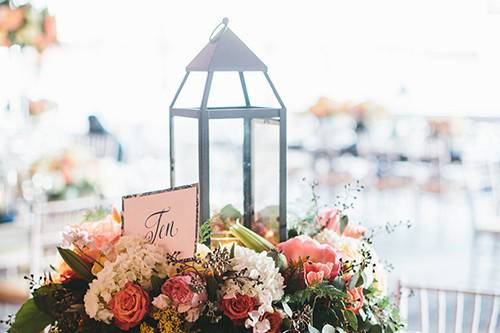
(226, 52)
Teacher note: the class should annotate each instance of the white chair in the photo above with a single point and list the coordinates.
(481, 161)
(477, 311)
(101, 145)
(47, 225)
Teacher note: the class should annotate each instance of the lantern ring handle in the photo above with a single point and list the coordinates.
(219, 30)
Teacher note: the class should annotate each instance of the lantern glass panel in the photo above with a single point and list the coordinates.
(226, 90)
(226, 171)
(186, 150)
(192, 92)
(260, 91)
(266, 179)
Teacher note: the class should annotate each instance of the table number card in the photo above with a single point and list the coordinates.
(168, 218)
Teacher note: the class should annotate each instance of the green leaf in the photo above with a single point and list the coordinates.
(329, 291)
(312, 329)
(339, 283)
(44, 297)
(229, 212)
(156, 283)
(205, 232)
(344, 220)
(80, 267)
(376, 329)
(30, 319)
(352, 319)
(287, 309)
(354, 280)
(96, 214)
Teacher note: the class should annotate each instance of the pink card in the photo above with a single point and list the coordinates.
(168, 218)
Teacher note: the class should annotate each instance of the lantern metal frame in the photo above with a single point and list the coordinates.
(232, 56)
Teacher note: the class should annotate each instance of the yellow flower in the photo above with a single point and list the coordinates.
(145, 328)
(168, 321)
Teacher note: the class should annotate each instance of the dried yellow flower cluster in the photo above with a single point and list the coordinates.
(168, 322)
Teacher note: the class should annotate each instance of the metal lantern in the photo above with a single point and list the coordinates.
(225, 52)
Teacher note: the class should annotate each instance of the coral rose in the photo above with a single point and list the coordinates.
(237, 308)
(317, 272)
(356, 299)
(129, 306)
(304, 247)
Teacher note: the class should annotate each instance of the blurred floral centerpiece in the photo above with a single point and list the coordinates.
(26, 25)
(68, 174)
(362, 112)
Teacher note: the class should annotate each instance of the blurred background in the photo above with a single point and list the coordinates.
(400, 95)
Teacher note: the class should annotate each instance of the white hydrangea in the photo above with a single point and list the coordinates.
(136, 261)
(350, 249)
(265, 282)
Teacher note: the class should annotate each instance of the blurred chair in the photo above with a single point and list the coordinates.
(14, 248)
(48, 222)
(478, 311)
(101, 145)
(481, 163)
(100, 142)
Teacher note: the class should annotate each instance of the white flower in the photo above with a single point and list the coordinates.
(75, 235)
(259, 326)
(265, 282)
(136, 261)
(351, 249)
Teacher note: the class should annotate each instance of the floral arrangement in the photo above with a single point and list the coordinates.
(26, 26)
(67, 174)
(364, 111)
(325, 278)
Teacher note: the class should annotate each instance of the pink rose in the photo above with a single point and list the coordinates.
(129, 306)
(330, 219)
(306, 248)
(237, 308)
(317, 272)
(179, 289)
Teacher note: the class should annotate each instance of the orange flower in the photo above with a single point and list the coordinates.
(356, 299)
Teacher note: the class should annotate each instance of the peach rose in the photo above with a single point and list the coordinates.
(317, 272)
(354, 231)
(237, 308)
(64, 272)
(330, 219)
(129, 306)
(356, 299)
(306, 248)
